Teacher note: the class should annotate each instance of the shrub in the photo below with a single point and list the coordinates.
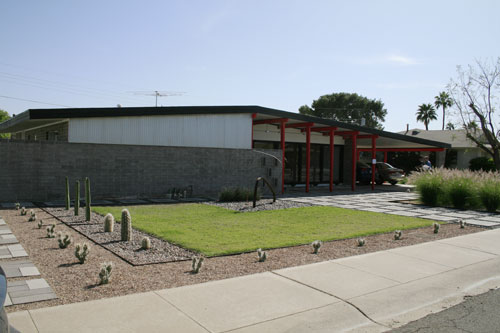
(126, 226)
(459, 191)
(51, 232)
(430, 189)
(361, 242)
(436, 227)
(237, 194)
(109, 223)
(81, 252)
(262, 255)
(398, 234)
(482, 163)
(316, 245)
(64, 240)
(196, 264)
(146, 243)
(105, 273)
(489, 193)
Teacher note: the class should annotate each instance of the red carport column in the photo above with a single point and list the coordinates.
(374, 159)
(385, 156)
(308, 156)
(332, 147)
(354, 155)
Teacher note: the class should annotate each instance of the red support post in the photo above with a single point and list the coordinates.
(308, 156)
(353, 157)
(332, 147)
(374, 160)
(385, 157)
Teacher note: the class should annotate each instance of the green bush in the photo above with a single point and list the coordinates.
(430, 189)
(489, 193)
(460, 192)
(482, 163)
(237, 194)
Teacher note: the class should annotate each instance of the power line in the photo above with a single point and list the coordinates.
(33, 101)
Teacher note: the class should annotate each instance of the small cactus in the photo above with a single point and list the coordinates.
(262, 255)
(64, 240)
(126, 226)
(18, 205)
(81, 252)
(23, 211)
(109, 222)
(316, 245)
(105, 273)
(462, 224)
(196, 264)
(361, 242)
(32, 217)
(146, 243)
(398, 234)
(51, 233)
(436, 227)
(40, 224)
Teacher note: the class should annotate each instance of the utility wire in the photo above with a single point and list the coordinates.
(33, 101)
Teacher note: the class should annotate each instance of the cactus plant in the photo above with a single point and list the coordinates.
(462, 224)
(51, 233)
(77, 198)
(66, 197)
(87, 199)
(361, 242)
(18, 205)
(105, 273)
(262, 255)
(196, 264)
(436, 227)
(126, 226)
(40, 224)
(81, 252)
(32, 217)
(109, 222)
(23, 211)
(316, 246)
(64, 240)
(398, 234)
(146, 243)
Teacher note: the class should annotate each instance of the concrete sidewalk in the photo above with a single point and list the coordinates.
(367, 293)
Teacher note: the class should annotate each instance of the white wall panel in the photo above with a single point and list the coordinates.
(216, 131)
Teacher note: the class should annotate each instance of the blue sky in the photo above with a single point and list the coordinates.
(279, 54)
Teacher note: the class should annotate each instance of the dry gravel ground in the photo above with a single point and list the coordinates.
(73, 282)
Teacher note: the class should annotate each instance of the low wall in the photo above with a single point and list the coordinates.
(36, 171)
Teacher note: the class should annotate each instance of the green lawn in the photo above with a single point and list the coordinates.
(216, 231)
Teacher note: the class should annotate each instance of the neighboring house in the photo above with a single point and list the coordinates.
(462, 149)
(146, 151)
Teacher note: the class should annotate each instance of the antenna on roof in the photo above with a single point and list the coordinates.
(157, 94)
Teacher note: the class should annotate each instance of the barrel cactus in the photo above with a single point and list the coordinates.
(146, 243)
(126, 226)
(109, 223)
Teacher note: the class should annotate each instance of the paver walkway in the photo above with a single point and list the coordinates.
(390, 203)
(368, 293)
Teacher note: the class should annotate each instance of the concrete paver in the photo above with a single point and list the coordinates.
(234, 303)
(21, 322)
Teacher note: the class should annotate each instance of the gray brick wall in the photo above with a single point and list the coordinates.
(35, 171)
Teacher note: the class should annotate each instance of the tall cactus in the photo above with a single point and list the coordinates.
(77, 197)
(67, 194)
(87, 199)
(126, 225)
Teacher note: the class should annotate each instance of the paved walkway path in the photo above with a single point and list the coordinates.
(366, 293)
(392, 203)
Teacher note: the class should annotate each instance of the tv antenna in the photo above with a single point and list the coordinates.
(157, 94)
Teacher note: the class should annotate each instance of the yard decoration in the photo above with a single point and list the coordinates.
(196, 264)
(105, 273)
(146, 243)
(87, 199)
(66, 197)
(126, 226)
(262, 255)
(436, 227)
(109, 222)
(316, 246)
(77, 198)
(81, 252)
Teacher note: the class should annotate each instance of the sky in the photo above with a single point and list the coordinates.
(273, 53)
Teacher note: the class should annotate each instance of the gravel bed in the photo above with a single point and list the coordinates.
(263, 204)
(161, 251)
(73, 282)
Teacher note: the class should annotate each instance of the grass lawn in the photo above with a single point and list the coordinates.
(214, 231)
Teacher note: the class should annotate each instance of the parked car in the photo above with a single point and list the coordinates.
(364, 173)
(387, 172)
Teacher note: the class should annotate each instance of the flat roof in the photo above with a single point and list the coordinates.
(40, 117)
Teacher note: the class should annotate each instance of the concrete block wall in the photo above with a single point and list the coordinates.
(35, 171)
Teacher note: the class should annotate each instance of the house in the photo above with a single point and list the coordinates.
(146, 151)
(462, 149)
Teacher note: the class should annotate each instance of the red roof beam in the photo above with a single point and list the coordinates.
(368, 136)
(402, 149)
(270, 121)
(299, 125)
(347, 133)
(323, 129)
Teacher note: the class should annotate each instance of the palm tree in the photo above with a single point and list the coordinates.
(425, 114)
(444, 101)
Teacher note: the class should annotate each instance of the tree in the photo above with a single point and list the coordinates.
(425, 114)
(443, 100)
(349, 108)
(475, 95)
(450, 126)
(4, 116)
